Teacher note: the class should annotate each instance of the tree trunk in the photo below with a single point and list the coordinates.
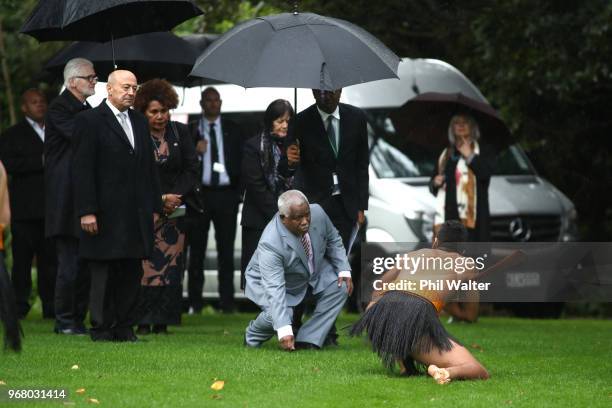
(7, 78)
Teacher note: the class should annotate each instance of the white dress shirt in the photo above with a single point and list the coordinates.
(335, 123)
(204, 130)
(40, 131)
(130, 130)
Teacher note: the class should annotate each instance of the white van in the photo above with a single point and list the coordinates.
(523, 205)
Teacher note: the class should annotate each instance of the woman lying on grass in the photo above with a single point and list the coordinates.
(403, 326)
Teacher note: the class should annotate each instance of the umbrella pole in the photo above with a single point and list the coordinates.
(295, 100)
(113, 51)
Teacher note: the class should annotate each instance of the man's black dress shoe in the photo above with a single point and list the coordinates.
(301, 345)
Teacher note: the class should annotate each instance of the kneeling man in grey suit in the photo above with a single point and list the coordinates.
(300, 255)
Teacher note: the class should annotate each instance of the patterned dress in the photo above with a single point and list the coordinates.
(161, 281)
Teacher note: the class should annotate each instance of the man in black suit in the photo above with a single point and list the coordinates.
(61, 222)
(118, 199)
(219, 146)
(21, 151)
(334, 159)
(334, 164)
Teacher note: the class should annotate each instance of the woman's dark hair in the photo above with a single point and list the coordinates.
(158, 90)
(452, 231)
(274, 111)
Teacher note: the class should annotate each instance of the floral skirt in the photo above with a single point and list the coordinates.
(161, 293)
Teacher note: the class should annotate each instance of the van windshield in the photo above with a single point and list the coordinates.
(392, 156)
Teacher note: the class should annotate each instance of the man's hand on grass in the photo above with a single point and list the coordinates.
(287, 343)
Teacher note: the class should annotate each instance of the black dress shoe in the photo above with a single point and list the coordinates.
(160, 329)
(143, 329)
(331, 340)
(71, 331)
(301, 345)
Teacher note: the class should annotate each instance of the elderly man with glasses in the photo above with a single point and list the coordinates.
(72, 284)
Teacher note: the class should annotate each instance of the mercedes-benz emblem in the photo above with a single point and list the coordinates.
(519, 230)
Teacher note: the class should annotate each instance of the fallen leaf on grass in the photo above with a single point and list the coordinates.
(93, 400)
(217, 385)
(477, 347)
(2, 382)
(226, 332)
(217, 396)
(509, 402)
(74, 367)
(80, 391)
(316, 369)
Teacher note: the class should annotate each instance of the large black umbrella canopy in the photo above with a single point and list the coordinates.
(151, 55)
(424, 120)
(300, 50)
(103, 20)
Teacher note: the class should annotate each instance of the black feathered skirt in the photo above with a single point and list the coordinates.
(401, 325)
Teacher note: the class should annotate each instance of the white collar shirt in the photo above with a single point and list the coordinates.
(129, 131)
(40, 131)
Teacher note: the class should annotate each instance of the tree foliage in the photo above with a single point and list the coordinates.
(545, 65)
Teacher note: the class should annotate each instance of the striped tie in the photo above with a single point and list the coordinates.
(306, 245)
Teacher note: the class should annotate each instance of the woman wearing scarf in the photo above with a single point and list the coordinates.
(461, 186)
(461, 180)
(268, 166)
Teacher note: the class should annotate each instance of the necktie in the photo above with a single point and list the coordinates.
(331, 134)
(126, 128)
(214, 155)
(306, 245)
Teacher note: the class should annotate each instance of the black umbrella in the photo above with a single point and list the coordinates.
(101, 20)
(201, 42)
(301, 50)
(104, 20)
(150, 55)
(424, 120)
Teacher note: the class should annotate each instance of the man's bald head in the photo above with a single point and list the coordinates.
(121, 88)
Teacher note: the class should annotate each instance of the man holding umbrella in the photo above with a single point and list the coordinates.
(72, 283)
(334, 166)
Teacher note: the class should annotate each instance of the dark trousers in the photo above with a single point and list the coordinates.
(71, 285)
(221, 209)
(28, 242)
(113, 299)
(250, 240)
(334, 208)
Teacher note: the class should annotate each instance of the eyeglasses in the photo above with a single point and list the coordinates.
(89, 78)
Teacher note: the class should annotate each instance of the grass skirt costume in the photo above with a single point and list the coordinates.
(401, 325)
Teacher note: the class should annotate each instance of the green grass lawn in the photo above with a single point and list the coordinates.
(533, 363)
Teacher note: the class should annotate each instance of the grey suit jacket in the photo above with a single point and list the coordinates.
(278, 276)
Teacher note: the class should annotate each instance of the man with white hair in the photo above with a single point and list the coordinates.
(61, 224)
(300, 257)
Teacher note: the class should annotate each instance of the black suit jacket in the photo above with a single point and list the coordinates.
(60, 218)
(179, 173)
(318, 162)
(117, 183)
(232, 150)
(21, 152)
(260, 201)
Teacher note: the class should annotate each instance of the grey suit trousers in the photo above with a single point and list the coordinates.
(329, 303)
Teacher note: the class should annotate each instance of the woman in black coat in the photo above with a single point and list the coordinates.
(177, 166)
(268, 166)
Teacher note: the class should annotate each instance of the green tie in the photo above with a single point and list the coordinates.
(331, 134)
